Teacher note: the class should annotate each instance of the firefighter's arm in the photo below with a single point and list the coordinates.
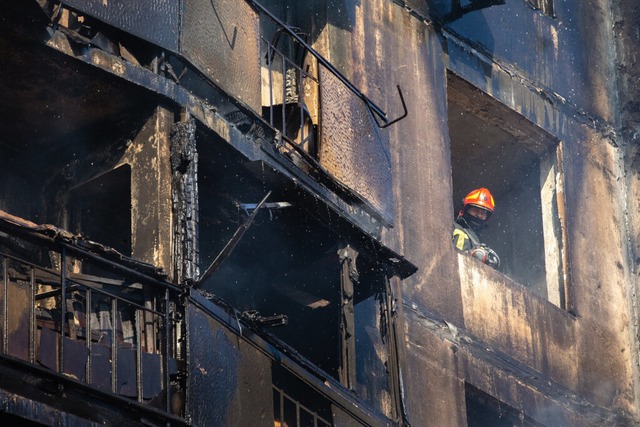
(460, 239)
(486, 255)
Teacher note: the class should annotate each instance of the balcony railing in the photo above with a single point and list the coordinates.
(291, 413)
(325, 124)
(290, 91)
(93, 321)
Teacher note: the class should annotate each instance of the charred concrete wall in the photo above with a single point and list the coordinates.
(559, 73)
(548, 70)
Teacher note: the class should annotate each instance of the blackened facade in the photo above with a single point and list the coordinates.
(252, 210)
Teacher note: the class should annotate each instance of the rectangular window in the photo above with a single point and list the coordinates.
(496, 148)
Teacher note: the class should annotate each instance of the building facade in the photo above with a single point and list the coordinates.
(240, 213)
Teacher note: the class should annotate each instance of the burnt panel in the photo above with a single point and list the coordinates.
(75, 354)
(101, 366)
(152, 374)
(221, 39)
(352, 148)
(75, 359)
(48, 349)
(18, 319)
(156, 21)
(229, 381)
(126, 371)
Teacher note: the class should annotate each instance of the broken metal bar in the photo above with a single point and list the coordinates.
(5, 305)
(253, 316)
(32, 315)
(87, 333)
(138, 338)
(114, 345)
(166, 350)
(63, 306)
(271, 206)
(231, 244)
(376, 111)
(388, 123)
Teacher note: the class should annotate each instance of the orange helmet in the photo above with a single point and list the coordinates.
(480, 197)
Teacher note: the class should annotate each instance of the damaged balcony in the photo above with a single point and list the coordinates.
(81, 319)
(105, 337)
(280, 101)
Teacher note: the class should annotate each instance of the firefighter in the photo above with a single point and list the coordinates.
(477, 207)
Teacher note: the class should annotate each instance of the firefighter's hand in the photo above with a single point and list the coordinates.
(486, 255)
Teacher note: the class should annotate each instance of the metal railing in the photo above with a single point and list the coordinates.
(290, 94)
(377, 113)
(291, 90)
(290, 412)
(96, 324)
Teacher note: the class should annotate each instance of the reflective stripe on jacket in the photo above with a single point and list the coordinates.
(464, 238)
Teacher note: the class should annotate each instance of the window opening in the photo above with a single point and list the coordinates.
(496, 148)
(298, 261)
(100, 209)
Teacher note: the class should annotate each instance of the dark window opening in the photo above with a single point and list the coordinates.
(494, 147)
(100, 209)
(484, 410)
(300, 260)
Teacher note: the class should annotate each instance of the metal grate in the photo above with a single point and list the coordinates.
(290, 98)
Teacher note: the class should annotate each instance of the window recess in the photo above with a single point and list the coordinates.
(492, 146)
(298, 260)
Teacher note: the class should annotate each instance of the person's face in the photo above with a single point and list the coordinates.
(479, 213)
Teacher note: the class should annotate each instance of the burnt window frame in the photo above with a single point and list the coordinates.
(547, 151)
(230, 187)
